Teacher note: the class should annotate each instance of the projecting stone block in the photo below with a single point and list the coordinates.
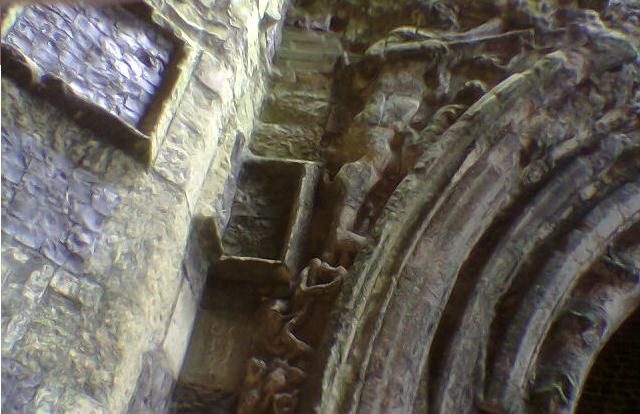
(117, 70)
(287, 141)
(265, 238)
(84, 291)
(288, 101)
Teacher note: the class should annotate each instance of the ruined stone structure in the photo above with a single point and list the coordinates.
(364, 206)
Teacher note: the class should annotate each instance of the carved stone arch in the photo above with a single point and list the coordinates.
(479, 250)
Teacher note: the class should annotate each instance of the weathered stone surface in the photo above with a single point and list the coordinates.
(118, 263)
(589, 324)
(203, 21)
(111, 235)
(192, 141)
(287, 141)
(190, 136)
(308, 52)
(287, 102)
(222, 341)
(26, 283)
(84, 291)
(19, 386)
(293, 117)
(78, 403)
(57, 209)
(477, 91)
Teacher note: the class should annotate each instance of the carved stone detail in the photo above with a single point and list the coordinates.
(271, 382)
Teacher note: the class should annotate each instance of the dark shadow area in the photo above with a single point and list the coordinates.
(613, 385)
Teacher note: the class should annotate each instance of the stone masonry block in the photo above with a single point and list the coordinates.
(82, 290)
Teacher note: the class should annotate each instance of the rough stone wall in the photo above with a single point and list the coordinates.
(98, 295)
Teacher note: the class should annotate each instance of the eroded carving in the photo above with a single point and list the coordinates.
(426, 80)
(404, 114)
(271, 382)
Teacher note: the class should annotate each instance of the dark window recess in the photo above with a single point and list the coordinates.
(613, 384)
(266, 237)
(112, 65)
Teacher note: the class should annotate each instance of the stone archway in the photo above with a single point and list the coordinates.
(486, 246)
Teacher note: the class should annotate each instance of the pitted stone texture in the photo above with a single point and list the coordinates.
(138, 254)
(298, 104)
(205, 21)
(135, 261)
(84, 291)
(287, 141)
(107, 55)
(26, 276)
(288, 102)
(201, 127)
(79, 403)
(19, 386)
(69, 348)
(55, 207)
(192, 136)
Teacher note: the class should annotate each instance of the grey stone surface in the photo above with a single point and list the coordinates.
(89, 325)
(86, 292)
(292, 141)
(56, 208)
(287, 101)
(19, 386)
(108, 56)
(27, 277)
(107, 259)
